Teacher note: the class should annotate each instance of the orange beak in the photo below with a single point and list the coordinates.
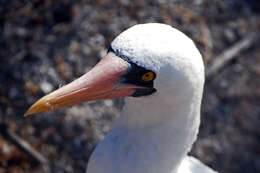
(102, 82)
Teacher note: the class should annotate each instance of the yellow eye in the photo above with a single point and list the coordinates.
(149, 76)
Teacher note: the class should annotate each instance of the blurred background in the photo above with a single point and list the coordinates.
(45, 44)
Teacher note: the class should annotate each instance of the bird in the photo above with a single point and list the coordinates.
(160, 73)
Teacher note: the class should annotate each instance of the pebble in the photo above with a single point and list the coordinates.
(108, 103)
(46, 87)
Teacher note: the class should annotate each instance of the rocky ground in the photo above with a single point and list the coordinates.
(45, 44)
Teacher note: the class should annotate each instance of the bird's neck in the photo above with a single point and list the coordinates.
(170, 129)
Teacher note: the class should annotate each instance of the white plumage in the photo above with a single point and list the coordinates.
(163, 70)
(154, 133)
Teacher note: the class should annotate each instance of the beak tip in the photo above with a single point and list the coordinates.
(27, 113)
(31, 111)
(40, 106)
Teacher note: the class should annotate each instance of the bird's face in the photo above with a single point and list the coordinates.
(166, 52)
(143, 61)
(112, 77)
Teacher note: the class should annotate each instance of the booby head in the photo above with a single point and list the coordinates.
(161, 73)
(147, 60)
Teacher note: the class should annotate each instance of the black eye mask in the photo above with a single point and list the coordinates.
(134, 76)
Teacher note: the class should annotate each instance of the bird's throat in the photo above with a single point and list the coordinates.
(161, 138)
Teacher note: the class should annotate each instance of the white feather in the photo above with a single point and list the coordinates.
(190, 165)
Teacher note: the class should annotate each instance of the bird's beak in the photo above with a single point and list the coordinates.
(102, 82)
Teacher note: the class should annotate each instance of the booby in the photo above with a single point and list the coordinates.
(161, 73)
